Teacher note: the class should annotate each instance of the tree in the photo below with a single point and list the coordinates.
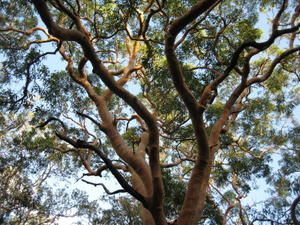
(203, 88)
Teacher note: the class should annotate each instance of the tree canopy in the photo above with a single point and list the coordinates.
(187, 105)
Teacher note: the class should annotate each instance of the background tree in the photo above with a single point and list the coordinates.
(187, 104)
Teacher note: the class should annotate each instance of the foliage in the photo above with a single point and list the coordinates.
(188, 105)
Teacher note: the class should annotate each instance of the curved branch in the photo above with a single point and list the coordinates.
(294, 17)
(101, 127)
(121, 148)
(193, 203)
(168, 165)
(28, 77)
(275, 62)
(105, 188)
(176, 71)
(196, 24)
(52, 119)
(259, 46)
(105, 167)
(267, 220)
(74, 17)
(293, 211)
(156, 187)
(277, 17)
(28, 32)
(244, 84)
(102, 72)
(82, 144)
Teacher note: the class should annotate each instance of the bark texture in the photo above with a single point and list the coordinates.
(144, 164)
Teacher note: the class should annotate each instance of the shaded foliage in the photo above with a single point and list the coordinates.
(162, 98)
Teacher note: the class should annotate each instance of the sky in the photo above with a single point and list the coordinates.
(96, 192)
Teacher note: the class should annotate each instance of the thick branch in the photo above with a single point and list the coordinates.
(294, 211)
(52, 119)
(107, 78)
(104, 167)
(240, 89)
(234, 59)
(114, 171)
(196, 24)
(277, 17)
(108, 126)
(294, 17)
(275, 62)
(176, 71)
(195, 196)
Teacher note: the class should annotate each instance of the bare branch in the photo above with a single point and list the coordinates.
(275, 62)
(105, 167)
(259, 46)
(28, 77)
(168, 165)
(83, 144)
(105, 188)
(267, 220)
(294, 211)
(196, 24)
(28, 32)
(277, 17)
(53, 119)
(294, 17)
(101, 127)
